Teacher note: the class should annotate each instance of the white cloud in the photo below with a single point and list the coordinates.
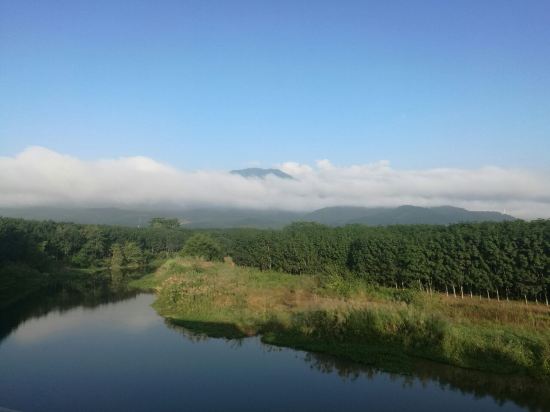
(38, 176)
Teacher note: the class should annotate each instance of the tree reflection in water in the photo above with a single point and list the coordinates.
(526, 392)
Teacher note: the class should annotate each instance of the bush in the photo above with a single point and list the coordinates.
(408, 296)
(202, 245)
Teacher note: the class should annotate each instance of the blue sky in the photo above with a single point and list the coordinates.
(221, 85)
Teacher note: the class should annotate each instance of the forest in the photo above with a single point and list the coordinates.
(499, 260)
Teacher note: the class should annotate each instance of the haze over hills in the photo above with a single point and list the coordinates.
(230, 217)
(39, 176)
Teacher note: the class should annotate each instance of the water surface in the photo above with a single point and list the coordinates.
(112, 352)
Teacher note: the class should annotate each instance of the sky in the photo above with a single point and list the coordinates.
(418, 86)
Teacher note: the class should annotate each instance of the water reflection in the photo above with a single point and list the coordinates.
(526, 392)
(63, 308)
(98, 289)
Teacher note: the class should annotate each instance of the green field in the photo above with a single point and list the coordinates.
(349, 318)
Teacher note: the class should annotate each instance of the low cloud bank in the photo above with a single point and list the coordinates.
(39, 176)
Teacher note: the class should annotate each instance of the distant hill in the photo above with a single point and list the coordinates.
(228, 217)
(191, 218)
(403, 215)
(101, 216)
(339, 215)
(261, 173)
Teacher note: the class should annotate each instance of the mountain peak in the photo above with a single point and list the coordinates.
(261, 173)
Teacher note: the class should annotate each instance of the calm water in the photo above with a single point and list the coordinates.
(112, 352)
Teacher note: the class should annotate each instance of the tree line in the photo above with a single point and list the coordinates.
(503, 260)
(38, 242)
(506, 259)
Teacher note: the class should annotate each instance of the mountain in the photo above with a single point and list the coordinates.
(339, 215)
(229, 217)
(261, 173)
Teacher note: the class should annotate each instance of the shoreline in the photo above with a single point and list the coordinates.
(189, 292)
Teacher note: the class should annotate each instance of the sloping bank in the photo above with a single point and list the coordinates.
(384, 327)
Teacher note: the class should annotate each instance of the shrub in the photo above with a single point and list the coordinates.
(408, 296)
(203, 246)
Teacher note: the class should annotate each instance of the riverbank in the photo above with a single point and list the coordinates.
(351, 319)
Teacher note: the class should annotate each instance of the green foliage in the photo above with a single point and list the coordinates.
(332, 280)
(18, 245)
(117, 257)
(203, 246)
(164, 223)
(127, 255)
(38, 243)
(511, 258)
(358, 321)
(408, 296)
(94, 247)
(408, 328)
(133, 256)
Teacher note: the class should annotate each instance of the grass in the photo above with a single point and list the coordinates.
(351, 319)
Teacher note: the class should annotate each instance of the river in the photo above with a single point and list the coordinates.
(111, 352)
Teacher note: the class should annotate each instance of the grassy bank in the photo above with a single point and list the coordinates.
(348, 318)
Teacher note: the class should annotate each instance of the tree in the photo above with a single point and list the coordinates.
(93, 249)
(117, 256)
(204, 246)
(164, 223)
(133, 255)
